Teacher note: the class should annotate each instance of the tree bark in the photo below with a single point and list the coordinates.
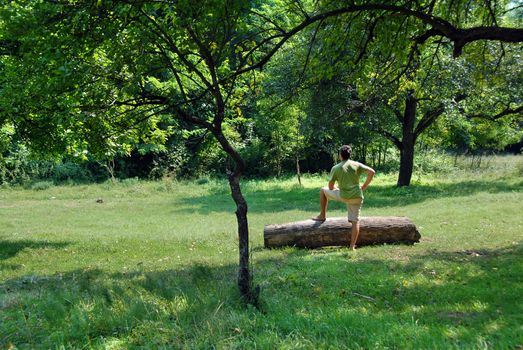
(408, 141)
(244, 277)
(337, 232)
(298, 172)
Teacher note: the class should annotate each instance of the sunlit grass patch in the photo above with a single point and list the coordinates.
(154, 264)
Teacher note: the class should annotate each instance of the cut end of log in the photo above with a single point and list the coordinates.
(337, 232)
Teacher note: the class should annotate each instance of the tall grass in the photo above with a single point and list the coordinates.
(141, 265)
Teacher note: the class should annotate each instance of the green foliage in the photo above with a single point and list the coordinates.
(18, 167)
(6, 138)
(70, 172)
(174, 162)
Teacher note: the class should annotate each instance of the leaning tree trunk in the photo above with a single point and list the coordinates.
(407, 144)
(244, 277)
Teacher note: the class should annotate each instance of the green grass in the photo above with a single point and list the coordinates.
(154, 266)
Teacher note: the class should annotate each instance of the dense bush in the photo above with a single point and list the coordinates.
(17, 167)
(71, 172)
(206, 160)
(174, 162)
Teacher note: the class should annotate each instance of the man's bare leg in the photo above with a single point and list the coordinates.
(323, 207)
(355, 232)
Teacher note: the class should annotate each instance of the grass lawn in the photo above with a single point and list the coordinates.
(154, 266)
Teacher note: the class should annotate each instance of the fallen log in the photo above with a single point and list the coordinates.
(337, 232)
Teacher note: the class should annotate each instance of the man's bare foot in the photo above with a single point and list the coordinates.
(352, 248)
(318, 218)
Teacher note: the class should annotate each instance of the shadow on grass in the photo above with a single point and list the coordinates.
(323, 296)
(460, 298)
(10, 248)
(278, 199)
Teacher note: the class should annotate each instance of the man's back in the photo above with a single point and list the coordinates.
(347, 174)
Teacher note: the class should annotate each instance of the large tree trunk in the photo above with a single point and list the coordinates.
(337, 232)
(408, 140)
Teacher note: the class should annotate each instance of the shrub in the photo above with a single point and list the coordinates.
(70, 172)
(174, 162)
(432, 161)
(17, 167)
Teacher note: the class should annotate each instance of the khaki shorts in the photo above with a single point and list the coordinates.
(353, 204)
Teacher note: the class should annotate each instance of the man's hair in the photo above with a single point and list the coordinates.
(345, 152)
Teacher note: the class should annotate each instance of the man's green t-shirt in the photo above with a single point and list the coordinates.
(347, 174)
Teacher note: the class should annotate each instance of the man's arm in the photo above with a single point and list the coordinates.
(331, 184)
(370, 174)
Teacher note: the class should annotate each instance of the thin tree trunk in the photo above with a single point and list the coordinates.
(407, 149)
(244, 277)
(379, 155)
(298, 172)
(110, 169)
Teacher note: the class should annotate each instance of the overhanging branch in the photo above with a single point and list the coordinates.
(505, 112)
(439, 27)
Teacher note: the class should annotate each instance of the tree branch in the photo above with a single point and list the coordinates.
(428, 119)
(268, 19)
(162, 34)
(430, 116)
(388, 135)
(505, 112)
(370, 37)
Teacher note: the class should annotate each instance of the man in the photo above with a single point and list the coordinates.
(347, 174)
